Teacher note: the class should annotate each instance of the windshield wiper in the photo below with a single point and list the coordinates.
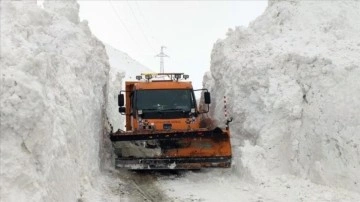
(175, 109)
(166, 110)
(151, 109)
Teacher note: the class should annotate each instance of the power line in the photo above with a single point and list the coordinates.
(144, 20)
(122, 23)
(140, 27)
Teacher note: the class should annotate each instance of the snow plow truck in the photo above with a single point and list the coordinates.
(165, 128)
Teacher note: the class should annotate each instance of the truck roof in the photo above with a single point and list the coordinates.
(161, 84)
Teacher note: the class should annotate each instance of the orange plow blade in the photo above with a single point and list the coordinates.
(180, 149)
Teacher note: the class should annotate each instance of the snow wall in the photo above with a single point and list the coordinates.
(293, 88)
(53, 95)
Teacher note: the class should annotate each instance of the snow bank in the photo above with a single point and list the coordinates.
(53, 85)
(292, 80)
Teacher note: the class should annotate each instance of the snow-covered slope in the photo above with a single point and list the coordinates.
(120, 61)
(123, 67)
(292, 80)
(53, 85)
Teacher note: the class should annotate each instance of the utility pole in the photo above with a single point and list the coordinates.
(161, 55)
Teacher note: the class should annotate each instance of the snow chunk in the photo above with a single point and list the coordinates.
(68, 9)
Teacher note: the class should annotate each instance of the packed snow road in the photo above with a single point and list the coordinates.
(141, 185)
(223, 185)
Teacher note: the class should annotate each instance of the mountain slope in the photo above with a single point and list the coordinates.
(120, 61)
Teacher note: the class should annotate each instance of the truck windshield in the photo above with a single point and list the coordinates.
(165, 100)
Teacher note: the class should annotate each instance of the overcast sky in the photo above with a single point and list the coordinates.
(188, 29)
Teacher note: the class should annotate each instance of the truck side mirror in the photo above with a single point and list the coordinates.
(207, 98)
(121, 110)
(121, 100)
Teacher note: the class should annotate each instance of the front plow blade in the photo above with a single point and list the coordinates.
(181, 149)
(217, 133)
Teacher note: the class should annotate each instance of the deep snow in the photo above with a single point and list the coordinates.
(53, 85)
(296, 94)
